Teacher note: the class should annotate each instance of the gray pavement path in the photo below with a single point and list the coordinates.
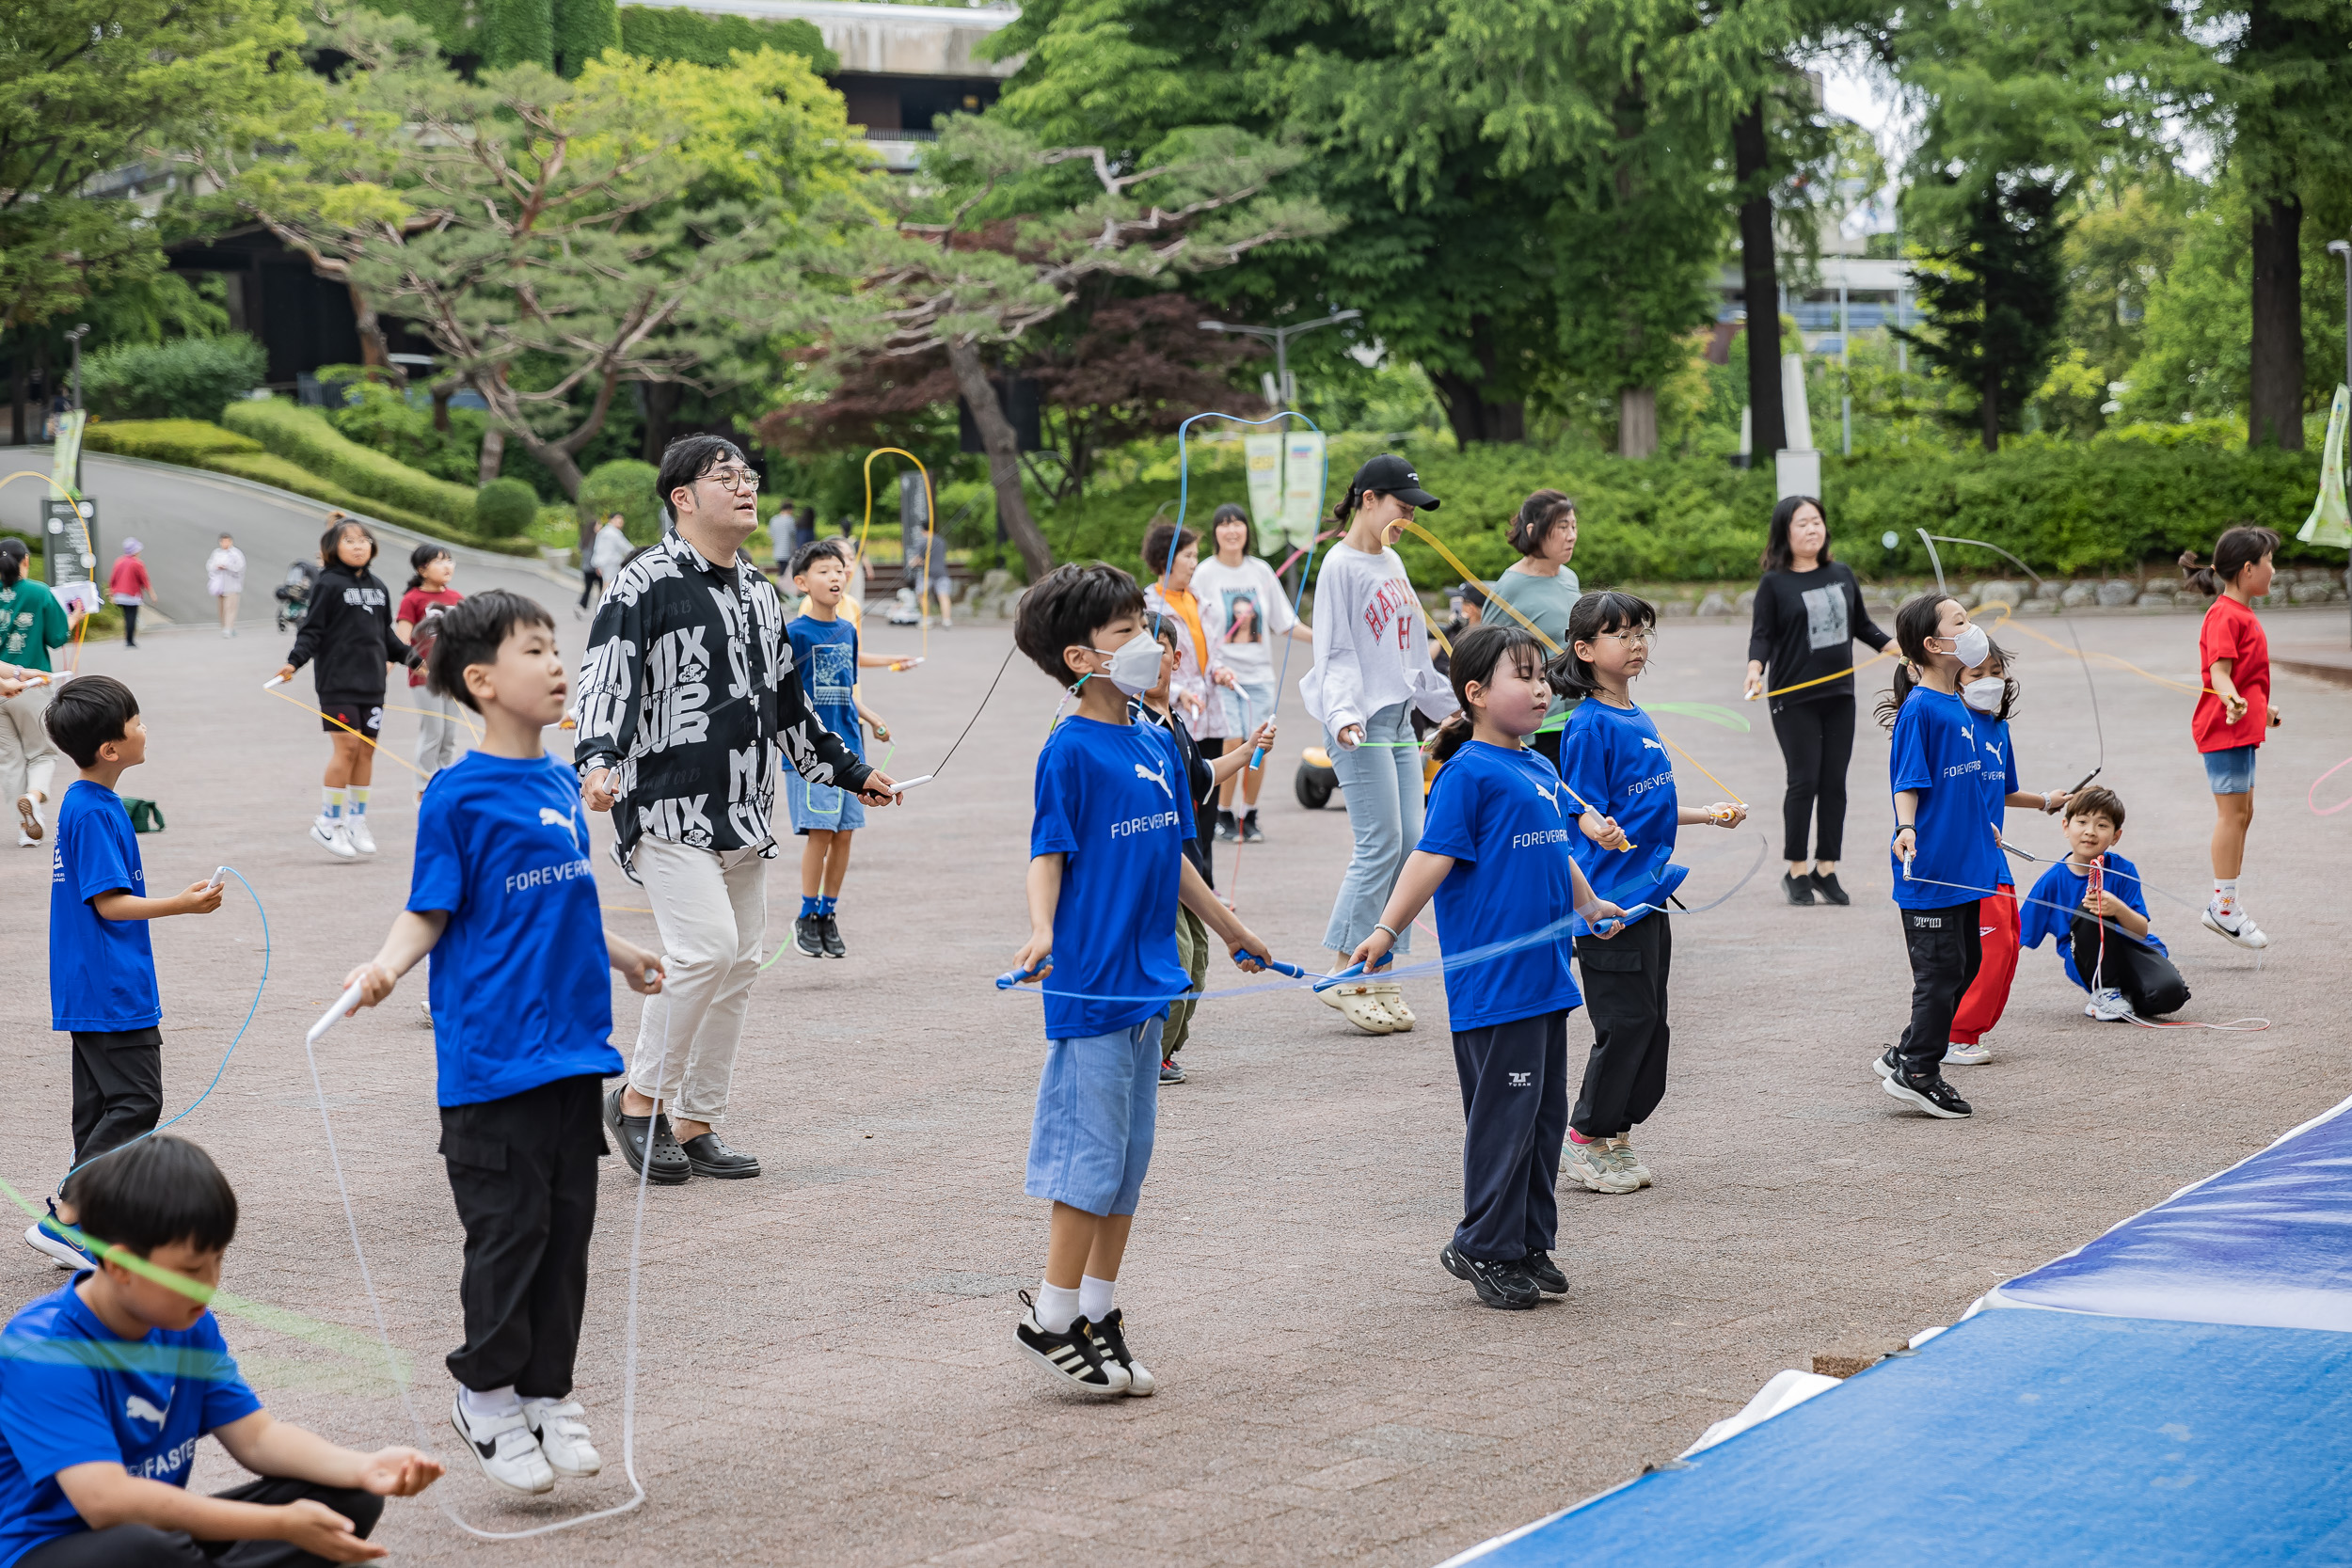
(827, 1370)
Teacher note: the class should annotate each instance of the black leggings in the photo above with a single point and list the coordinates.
(1817, 741)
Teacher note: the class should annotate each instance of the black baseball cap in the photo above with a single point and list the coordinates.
(1392, 476)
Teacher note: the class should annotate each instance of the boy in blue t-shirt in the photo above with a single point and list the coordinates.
(1107, 872)
(504, 898)
(825, 655)
(2106, 944)
(102, 966)
(107, 1383)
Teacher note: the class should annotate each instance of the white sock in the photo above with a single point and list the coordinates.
(331, 805)
(489, 1403)
(1094, 1297)
(358, 800)
(2225, 893)
(1057, 1307)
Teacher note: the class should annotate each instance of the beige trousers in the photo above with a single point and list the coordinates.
(712, 908)
(28, 761)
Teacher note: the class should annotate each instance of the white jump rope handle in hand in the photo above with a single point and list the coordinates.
(333, 1015)
(273, 683)
(905, 784)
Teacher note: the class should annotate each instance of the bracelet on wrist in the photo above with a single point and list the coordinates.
(1395, 935)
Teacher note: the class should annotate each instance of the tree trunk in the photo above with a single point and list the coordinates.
(493, 454)
(373, 350)
(662, 402)
(441, 390)
(16, 389)
(1471, 416)
(2275, 389)
(554, 456)
(1004, 456)
(1760, 282)
(1637, 422)
(1990, 410)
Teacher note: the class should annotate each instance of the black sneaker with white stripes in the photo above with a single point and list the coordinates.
(1111, 1335)
(1074, 1357)
(1499, 1285)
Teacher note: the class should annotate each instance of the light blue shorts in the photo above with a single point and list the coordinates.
(821, 808)
(1097, 1102)
(1247, 708)
(2231, 772)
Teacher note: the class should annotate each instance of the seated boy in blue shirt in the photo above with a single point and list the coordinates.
(2127, 960)
(504, 898)
(1107, 872)
(106, 1383)
(102, 966)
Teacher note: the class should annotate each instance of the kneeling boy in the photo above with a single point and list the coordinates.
(1106, 872)
(505, 898)
(2105, 938)
(106, 1383)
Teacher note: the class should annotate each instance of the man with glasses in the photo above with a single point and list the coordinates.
(688, 702)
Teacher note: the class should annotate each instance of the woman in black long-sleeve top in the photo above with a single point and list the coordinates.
(1808, 611)
(348, 639)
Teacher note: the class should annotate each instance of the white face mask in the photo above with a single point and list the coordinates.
(1135, 664)
(1972, 648)
(1985, 694)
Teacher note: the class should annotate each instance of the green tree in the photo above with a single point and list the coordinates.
(1993, 297)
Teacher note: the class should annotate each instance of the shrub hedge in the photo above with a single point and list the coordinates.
(504, 509)
(625, 485)
(304, 437)
(657, 33)
(188, 378)
(2066, 507)
(191, 443)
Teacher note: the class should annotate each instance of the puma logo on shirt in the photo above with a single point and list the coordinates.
(1551, 796)
(1652, 744)
(1160, 778)
(549, 816)
(139, 1409)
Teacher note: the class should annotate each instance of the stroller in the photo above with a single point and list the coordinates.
(293, 594)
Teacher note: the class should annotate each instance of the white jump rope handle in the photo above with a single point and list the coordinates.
(220, 876)
(905, 784)
(333, 1015)
(273, 683)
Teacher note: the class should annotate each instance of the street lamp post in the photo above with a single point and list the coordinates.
(1280, 337)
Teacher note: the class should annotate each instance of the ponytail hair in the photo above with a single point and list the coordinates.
(2236, 549)
(418, 559)
(1537, 515)
(1595, 613)
(1345, 512)
(1915, 623)
(1475, 657)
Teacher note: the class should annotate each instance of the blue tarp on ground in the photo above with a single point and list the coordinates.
(2267, 1242)
(2015, 1437)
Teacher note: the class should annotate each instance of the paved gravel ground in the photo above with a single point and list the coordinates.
(828, 1373)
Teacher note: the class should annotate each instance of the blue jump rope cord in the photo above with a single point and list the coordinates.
(224, 1056)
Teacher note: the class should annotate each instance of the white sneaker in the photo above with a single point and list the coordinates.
(1358, 1005)
(58, 1249)
(1621, 1155)
(2107, 1006)
(563, 1436)
(2238, 928)
(328, 834)
(1591, 1165)
(505, 1448)
(355, 829)
(1967, 1056)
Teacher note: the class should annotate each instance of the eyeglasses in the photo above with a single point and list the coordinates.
(1637, 638)
(733, 479)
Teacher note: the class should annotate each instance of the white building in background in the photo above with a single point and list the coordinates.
(902, 67)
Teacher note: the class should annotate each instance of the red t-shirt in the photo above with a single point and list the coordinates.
(2234, 632)
(414, 605)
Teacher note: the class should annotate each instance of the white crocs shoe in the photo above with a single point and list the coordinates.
(562, 1436)
(1360, 1006)
(355, 829)
(1391, 998)
(505, 1448)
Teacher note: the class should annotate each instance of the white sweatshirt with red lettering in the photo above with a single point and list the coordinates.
(1372, 646)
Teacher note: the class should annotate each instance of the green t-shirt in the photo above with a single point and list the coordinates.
(1545, 601)
(32, 622)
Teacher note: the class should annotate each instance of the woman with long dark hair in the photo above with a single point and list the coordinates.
(1808, 611)
(1540, 586)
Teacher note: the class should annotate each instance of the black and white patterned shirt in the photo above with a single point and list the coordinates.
(687, 696)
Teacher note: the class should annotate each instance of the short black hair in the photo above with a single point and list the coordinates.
(1606, 611)
(87, 712)
(829, 549)
(1066, 607)
(333, 537)
(1161, 542)
(152, 1193)
(2098, 797)
(471, 631)
(688, 458)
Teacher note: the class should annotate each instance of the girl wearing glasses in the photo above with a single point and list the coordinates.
(1621, 791)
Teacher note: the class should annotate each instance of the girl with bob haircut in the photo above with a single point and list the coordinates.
(348, 633)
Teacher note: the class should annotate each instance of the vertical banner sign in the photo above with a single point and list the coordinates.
(1302, 485)
(65, 462)
(1262, 455)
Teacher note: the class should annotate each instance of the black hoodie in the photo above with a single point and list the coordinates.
(349, 632)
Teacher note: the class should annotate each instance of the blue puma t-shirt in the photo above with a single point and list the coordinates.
(72, 1392)
(1504, 909)
(1111, 798)
(1956, 857)
(1618, 761)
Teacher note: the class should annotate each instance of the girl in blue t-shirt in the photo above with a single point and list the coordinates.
(1495, 854)
(1622, 778)
(1945, 854)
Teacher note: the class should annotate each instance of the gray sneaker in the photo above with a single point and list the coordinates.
(1595, 1166)
(1622, 1156)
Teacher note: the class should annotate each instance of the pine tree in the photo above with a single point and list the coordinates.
(1994, 298)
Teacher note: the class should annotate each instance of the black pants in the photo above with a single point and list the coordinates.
(523, 1171)
(117, 1088)
(1515, 1098)
(1945, 952)
(1817, 742)
(145, 1546)
(2145, 976)
(130, 624)
(589, 581)
(1625, 996)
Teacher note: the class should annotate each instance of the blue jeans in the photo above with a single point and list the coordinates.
(1383, 786)
(1097, 1108)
